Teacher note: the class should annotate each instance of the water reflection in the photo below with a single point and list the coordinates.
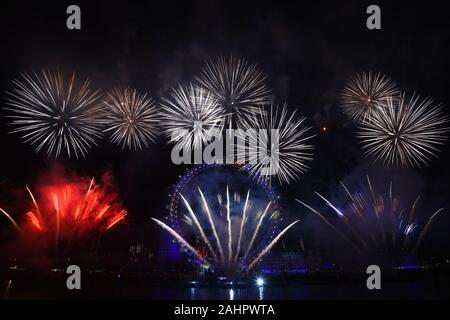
(261, 293)
(231, 294)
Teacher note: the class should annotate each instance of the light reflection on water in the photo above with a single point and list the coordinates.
(397, 290)
(404, 290)
(256, 293)
(199, 293)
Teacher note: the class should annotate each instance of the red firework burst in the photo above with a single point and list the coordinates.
(71, 210)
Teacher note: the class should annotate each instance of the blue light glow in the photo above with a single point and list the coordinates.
(260, 282)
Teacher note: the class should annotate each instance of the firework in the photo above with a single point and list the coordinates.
(367, 93)
(54, 113)
(375, 222)
(192, 117)
(180, 239)
(271, 244)
(237, 85)
(228, 251)
(70, 211)
(285, 153)
(131, 118)
(425, 230)
(406, 133)
(14, 223)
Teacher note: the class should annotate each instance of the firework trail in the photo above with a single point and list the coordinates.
(328, 223)
(192, 117)
(14, 223)
(70, 210)
(370, 216)
(131, 118)
(239, 248)
(58, 220)
(230, 237)
(200, 229)
(237, 85)
(425, 230)
(271, 244)
(244, 217)
(285, 154)
(366, 94)
(258, 226)
(38, 212)
(180, 239)
(413, 209)
(213, 226)
(344, 218)
(406, 133)
(55, 114)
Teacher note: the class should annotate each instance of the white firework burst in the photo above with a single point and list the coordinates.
(406, 133)
(54, 113)
(192, 117)
(285, 153)
(238, 86)
(132, 118)
(367, 93)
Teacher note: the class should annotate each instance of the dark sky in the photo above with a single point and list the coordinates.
(308, 51)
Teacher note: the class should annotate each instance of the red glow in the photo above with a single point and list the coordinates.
(66, 217)
(33, 220)
(116, 219)
(74, 208)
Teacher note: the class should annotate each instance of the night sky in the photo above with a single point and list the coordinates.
(307, 50)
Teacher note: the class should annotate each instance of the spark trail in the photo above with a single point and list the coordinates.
(376, 222)
(215, 229)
